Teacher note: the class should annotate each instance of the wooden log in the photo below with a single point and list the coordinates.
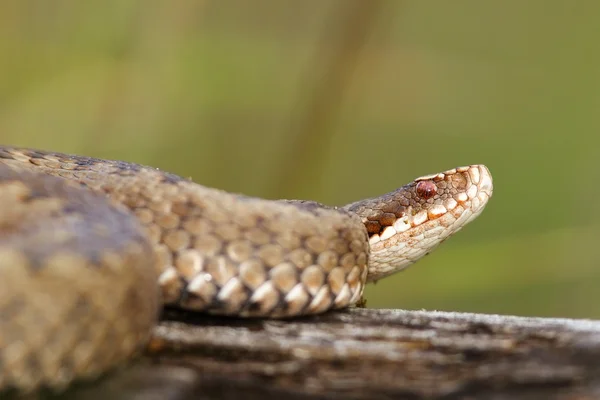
(362, 354)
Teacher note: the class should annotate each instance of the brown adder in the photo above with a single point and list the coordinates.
(81, 254)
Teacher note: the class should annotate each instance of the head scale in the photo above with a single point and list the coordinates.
(408, 223)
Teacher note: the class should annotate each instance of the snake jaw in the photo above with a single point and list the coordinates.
(410, 222)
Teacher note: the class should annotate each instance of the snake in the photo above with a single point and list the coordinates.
(92, 250)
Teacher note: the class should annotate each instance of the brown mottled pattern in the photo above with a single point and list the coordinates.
(78, 275)
(69, 264)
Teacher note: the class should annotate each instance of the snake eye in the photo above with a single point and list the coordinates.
(426, 189)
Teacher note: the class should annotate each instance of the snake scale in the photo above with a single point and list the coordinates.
(84, 241)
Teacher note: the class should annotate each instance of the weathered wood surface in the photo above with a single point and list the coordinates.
(363, 354)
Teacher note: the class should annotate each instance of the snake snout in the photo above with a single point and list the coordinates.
(485, 183)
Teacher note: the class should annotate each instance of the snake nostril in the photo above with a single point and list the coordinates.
(426, 189)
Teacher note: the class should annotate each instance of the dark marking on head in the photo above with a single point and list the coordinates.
(373, 227)
(395, 208)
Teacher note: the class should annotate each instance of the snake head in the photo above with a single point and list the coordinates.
(408, 223)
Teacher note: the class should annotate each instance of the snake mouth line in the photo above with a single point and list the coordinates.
(472, 201)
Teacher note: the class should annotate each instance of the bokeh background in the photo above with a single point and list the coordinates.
(337, 100)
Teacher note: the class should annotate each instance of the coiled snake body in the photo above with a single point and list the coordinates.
(80, 256)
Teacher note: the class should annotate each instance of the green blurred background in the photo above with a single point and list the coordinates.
(337, 100)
